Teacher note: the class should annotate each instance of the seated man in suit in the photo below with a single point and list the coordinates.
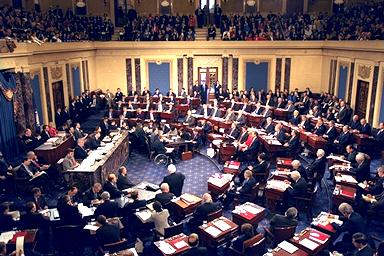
(362, 171)
(106, 233)
(352, 223)
(165, 196)
(243, 135)
(92, 195)
(345, 138)
(107, 208)
(331, 132)
(379, 137)
(38, 199)
(233, 133)
(80, 151)
(319, 128)
(204, 111)
(45, 134)
(365, 127)
(123, 182)
(30, 142)
(111, 187)
(269, 127)
(137, 203)
(295, 119)
(32, 219)
(259, 109)
(69, 214)
(286, 220)
(202, 211)
(69, 162)
(360, 242)
(196, 250)
(175, 180)
(189, 119)
(375, 186)
(197, 139)
(249, 147)
(78, 133)
(6, 221)
(259, 168)
(241, 192)
(305, 123)
(93, 141)
(279, 133)
(39, 166)
(246, 232)
(240, 118)
(293, 143)
(298, 187)
(38, 178)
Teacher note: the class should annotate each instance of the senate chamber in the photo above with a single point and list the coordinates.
(192, 127)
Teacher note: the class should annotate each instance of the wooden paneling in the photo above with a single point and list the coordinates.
(232, 6)
(295, 6)
(146, 6)
(271, 6)
(183, 7)
(319, 6)
(99, 7)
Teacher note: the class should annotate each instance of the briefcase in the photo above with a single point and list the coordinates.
(186, 155)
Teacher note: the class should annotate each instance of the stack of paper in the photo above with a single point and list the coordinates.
(213, 231)
(251, 209)
(222, 225)
(166, 248)
(181, 244)
(91, 227)
(189, 199)
(6, 236)
(288, 247)
(144, 215)
(309, 244)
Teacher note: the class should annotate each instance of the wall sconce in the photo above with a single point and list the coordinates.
(158, 62)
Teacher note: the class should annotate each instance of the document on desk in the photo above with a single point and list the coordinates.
(91, 227)
(85, 211)
(166, 248)
(144, 215)
(181, 244)
(213, 231)
(222, 225)
(251, 209)
(309, 244)
(288, 247)
(6, 236)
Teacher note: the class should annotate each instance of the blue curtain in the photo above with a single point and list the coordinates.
(382, 106)
(256, 76)
(35, 82)
(343, 78)
(8, 136)
(159, 77)
(76, 81)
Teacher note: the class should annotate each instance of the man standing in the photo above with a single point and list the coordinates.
(175, 180)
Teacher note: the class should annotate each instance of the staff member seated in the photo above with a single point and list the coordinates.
(246, 232)
(286, 220)
(202, 211)
(108, 208)
(92, 196)
(298, 187)
(106, 233)
(160, 218)
(80, 151)
(259, 168)
(110, 186)
(196, 250)
(241, 192)
(123, 182)
(165, 196)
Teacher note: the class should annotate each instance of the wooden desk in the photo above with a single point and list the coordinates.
(226, 151)
(281, 252)
(222, 235)
(254, 120)
(110, 162)
(169, 116)
(319, 238)
(282, 162)
(274, 193)
(248, 213)
(218, 184)
(316, 142)
(172, 241)
(346, 180)
(323, 223)
(272, 146)
(52, 154)
(343, 194)
(363, 140)
(185, 204)
(281, 114)
(29, 239)
(232, 167)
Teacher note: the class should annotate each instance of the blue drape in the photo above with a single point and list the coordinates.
(343, 78)
(76, 81)
(256, 76)
(159, 77)
(35, 82)
(8, 136)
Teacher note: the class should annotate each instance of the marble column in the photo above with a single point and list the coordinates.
(190, 74)
(224, 83)
(373, 96)
(128, 71)
(279, 66)
(180, 70)
(287, 74)
(235, 75)
(350, 86)
(138, 75)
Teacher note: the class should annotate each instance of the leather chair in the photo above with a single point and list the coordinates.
(117, 247)
(214, 215)
(254, 246)
(173, 230)
(277, 235)
(305, 202)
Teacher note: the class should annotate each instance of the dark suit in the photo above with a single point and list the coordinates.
(93, 143)
(238, 243)
(31, 220)
(281, 136)
(317, 168)
(44, 136)
(6, 222)
(80, 153)
(243, 137)
(89, 196)
(241, 120)
(164, 198)
(109, 209)
(202, 211)
(69, 215)
(215, 112)
(366, 251)
(130, 208)
(366, 129)
(362, 171)
(344, 139)
(331, 133)
(299, 188)
(108, 234)
(269, 128)
(295, 120)
(112, 190)
(234, 133)
(197, 251)
(175, 182)
(123, 182)
(281, 221)
(190, 120)
(355, 125)
(342, 116)
(246, 189)
(294, 144)
(320, 130)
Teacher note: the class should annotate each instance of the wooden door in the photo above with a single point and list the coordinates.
(361, 98)
(209, 75)
(58, 94)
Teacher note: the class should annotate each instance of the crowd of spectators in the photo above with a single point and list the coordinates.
(160, 28)
(358, 22)
(54, 26)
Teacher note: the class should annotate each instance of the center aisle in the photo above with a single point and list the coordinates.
(196, 171)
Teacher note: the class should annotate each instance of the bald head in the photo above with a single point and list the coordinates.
(171, 168)
(164, 187)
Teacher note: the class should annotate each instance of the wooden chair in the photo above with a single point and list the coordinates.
(117, 247)
(254, 246)
(305, 203)
(277, 235)
(173, 230)
(214, 215)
